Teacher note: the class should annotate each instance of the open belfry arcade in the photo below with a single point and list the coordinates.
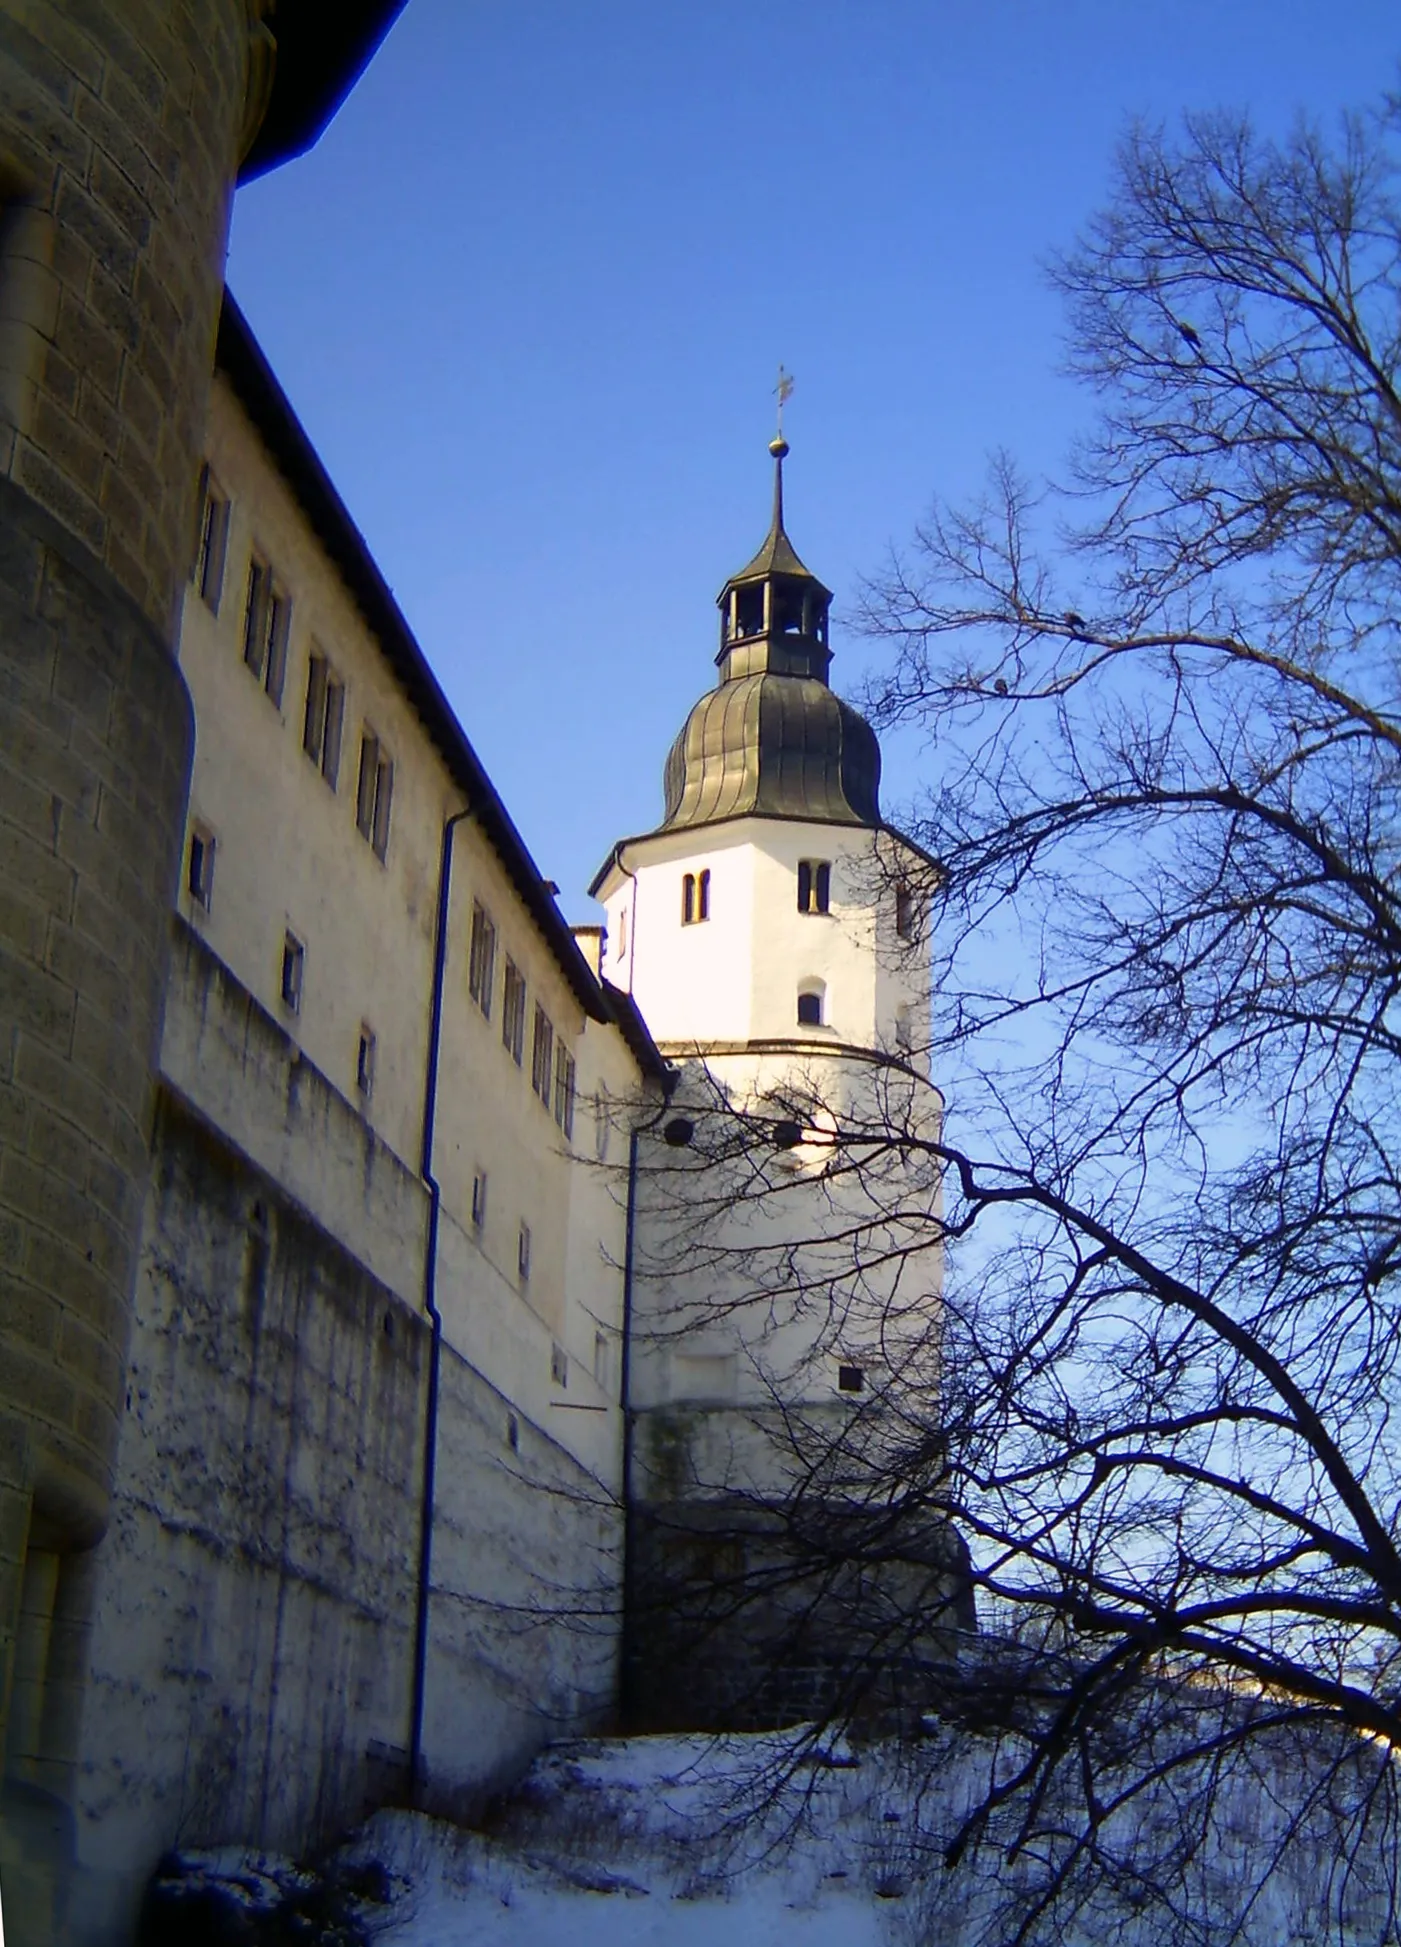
(398, 1367)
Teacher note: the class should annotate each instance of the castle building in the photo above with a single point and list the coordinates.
(414, 1309)
(773, 931)
(122, 134)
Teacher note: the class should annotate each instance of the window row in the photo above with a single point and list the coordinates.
(267, 619)
(814, 888)
(552, 1067)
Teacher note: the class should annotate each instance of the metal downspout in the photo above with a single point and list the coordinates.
(430, 1305)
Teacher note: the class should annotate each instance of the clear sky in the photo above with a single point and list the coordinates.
(530, 292)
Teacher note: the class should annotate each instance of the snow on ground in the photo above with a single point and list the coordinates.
(650, 1840)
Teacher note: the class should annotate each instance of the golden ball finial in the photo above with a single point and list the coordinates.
(779, 447)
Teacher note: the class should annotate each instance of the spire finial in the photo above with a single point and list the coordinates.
(778, 446)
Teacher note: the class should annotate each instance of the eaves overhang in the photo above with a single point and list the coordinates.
(614, 860)
(241, 359)
(321, 53)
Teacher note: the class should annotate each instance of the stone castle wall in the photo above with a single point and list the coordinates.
(255, 1595)
(119, 139)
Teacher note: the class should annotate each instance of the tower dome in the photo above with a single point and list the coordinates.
(772, 739)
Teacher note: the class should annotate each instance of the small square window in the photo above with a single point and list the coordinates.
(851, 1379)
(293, 972)
(479, 1200)
(559, 1365)
(523, 1254)
(374, 793)
(199, 876)
(211, 543)
(365, 1063)
(814, 885)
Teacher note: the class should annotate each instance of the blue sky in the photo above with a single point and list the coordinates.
(530, 291)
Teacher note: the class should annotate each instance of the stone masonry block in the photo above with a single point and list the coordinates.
(69, 446)
(81, 965)
(99, 231)
(49, 1395)
(29, 1318)
(28, 865)
(35, 1001)
(65, 39)
(52, 1267)
(54, 492)
(44, 1198)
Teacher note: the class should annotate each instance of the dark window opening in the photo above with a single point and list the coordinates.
(325, 715)
(542, 1053)
(904, 912)
(814, 886)
(749, 611)
(513, 1012)
(850, 1379)
(564, 1090)
(695, 898)
(481, 958)
(265, 625)
(374, 793)
(200, 877)
(365, 1063)
(293, 972)
(810, 1010)
(212, 543)
(478, 1199)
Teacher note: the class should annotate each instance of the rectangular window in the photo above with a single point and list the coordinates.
(365, 1063)
(374, 792)
(695, 898)
(564, 1089)
(850, 1379)
(513, 1012)
(200, 874)
(559, 1365)
(481, 958)
(523, 1254)
(600, 1360)
(542, 1055)
(814, 885)
(904, 912)
(478, 1199)
(293, 972)
(265, 624)
(211, 543)
(325, 715)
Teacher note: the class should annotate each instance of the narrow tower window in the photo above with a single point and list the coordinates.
(814, 885)
(695, 897)
(810, 1008)
(200, 876)
(481, 958)
(905, 912)
(324, 717)
(293, 972)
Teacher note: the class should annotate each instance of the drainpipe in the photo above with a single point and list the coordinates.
(430, 1305)
(625, 1644)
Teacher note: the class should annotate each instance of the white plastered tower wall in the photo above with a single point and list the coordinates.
(712, 1327)
(773, 932)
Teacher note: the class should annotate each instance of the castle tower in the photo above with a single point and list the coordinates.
(773, 931)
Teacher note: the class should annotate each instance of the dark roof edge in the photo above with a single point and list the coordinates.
(241, 359)
(321, 52)
(770, 818)
(635, 1031)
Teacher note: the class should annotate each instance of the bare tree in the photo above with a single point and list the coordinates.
(1161, 708)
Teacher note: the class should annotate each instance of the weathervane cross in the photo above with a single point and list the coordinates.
(783, 390)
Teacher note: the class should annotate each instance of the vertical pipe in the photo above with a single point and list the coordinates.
(430, 1305)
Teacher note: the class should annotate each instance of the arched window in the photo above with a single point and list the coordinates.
(695, 898)
(814, 885)
(810, 1007)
